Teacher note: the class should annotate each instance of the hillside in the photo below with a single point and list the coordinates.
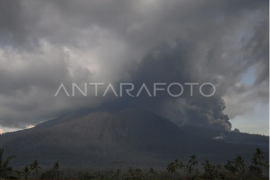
(135, 136)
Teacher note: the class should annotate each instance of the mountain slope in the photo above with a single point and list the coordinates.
(135, 136)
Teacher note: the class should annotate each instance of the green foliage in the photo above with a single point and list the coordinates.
(5, 170)
(173, 166)
(211, 171)
(190, 168)
(136, 173)
(85, 175)
(52, 173)
(151, 174)
(34, 166)
(257, 162)
(233, 169)
(25, 172)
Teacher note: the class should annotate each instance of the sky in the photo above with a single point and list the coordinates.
(257, 120)
(46, 43)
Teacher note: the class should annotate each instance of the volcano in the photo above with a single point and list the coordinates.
(137, 137)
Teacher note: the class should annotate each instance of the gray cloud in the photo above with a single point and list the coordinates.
(45, 43)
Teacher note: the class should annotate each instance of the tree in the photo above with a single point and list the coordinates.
(52, 173)
(139, 173)
(239, 164)
(229, 166)
(171, 168)
(56, 167)
(257, 158)
(5, 170)
(25, 172)
(34, 166)
(151, 173)
(257, 162)
(179, 164)
(189, 168)
(85, 175)
(218, 167)
(207, 165)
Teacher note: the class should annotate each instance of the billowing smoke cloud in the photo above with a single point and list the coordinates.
(221, 137)
(174, 64)
(46, 43)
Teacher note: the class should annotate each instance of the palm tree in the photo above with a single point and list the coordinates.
(239, 163)
(139, 173)
(178, 165)
(4, 168)
(230, 166)
(209, 169)
(26, 172)
(207, 165)
(257, 157)
(130, 171)
(151, 173)
(34, 166)
(256, 160)
(171, 168)
(56, 167)
(193, 161)
(190, 167)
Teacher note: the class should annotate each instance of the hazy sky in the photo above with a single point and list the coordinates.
(46, 43)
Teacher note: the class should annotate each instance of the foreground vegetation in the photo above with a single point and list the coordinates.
(233, 169)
